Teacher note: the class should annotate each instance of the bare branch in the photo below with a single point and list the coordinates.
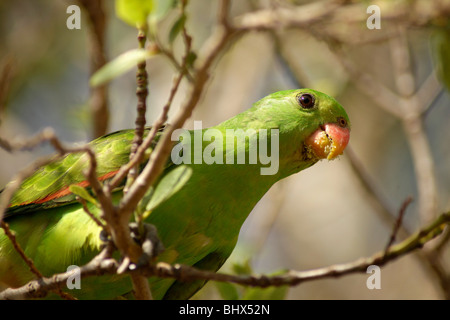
(8, 192)
(141, 93)
(293, 17)
(337, 12)
(382, 95)
(90, 214)
(6, 75)
(397, 225)
(373, 191)
(411, 116)
(102, 265)
(428, 92)
(11, 236)
(99, 94)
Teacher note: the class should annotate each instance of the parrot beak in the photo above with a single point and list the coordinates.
(329, 141)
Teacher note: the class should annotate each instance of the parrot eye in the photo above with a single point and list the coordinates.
(306, 100)
(342, 122)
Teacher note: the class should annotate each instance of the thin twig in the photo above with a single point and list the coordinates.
(338, 13)
(6, 75)
(398, 224)
(293, 17)
(428, 92)
(12, 237)
(45, 135)
(141, 93)
(8, 191)
(90, 214)
(373, 192)
(179, 66)
(382, 95)
(99, 94)
(17, 247)
(101, 264)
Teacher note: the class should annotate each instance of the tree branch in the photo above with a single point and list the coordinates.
(103, 264)
(99, 95)
(6, 75)
(398, 224)
(141, 93)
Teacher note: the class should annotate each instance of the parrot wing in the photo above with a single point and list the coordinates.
(49, 186)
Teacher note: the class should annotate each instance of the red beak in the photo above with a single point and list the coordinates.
(329, 141)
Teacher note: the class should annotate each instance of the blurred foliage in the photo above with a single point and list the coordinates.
(441, 50)
(118, 66)
(134, 12)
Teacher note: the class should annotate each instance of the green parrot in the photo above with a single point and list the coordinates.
(198, 217)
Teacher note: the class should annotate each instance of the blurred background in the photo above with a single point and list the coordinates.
(390, 80)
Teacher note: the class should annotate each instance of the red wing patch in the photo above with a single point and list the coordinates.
(65, 191)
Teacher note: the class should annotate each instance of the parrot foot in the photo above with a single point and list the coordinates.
(104, 236)
(150, 243)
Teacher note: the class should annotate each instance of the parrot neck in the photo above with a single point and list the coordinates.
(245, 163)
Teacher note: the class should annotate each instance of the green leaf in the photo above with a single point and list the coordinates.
(134, 12)
(83, 194)
(227, 291)
(176, 28)
(120, 65)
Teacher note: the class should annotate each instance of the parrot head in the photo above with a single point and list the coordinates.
(314, 125)
(332, 135)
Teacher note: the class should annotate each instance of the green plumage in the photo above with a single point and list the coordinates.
(198, 222)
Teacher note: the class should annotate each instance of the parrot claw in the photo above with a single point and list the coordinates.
(104, 236)
(107, 241)
(149, 241)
